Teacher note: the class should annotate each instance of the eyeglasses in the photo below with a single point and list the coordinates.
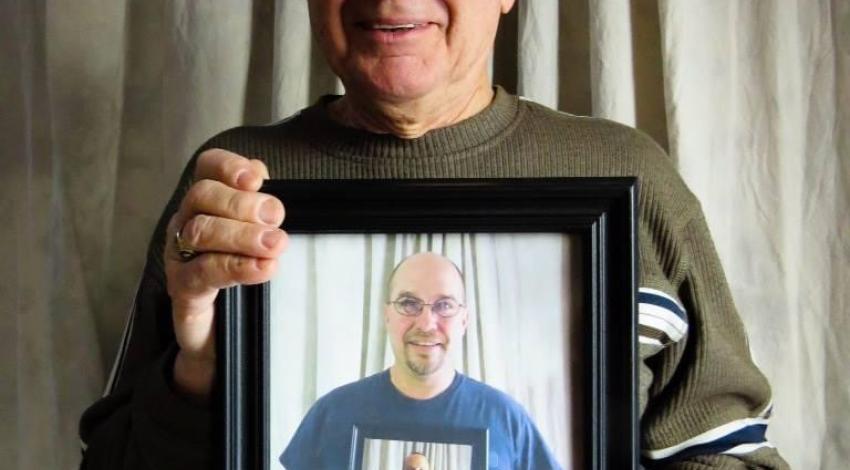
(410, 307)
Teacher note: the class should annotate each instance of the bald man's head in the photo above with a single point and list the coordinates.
(416, 461)
(425, 261)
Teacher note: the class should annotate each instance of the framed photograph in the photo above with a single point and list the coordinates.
(438, 324)
(378, 446)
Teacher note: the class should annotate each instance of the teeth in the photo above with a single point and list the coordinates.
(394, 26)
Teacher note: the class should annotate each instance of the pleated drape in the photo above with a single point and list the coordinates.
(103, 102)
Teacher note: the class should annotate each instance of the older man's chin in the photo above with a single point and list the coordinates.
(401, 83)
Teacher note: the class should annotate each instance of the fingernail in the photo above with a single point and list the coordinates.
(271, 238)
(242, 179)
(262, 263)
(268, 211)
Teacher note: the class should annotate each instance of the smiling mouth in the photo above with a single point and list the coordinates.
(426, 344)
(392, 28)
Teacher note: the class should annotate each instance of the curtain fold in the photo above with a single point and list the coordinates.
(756, 127)
(611, 60)
(104, 101)
(538, 39)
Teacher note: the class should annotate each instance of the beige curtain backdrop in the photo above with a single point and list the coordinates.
(103, 101)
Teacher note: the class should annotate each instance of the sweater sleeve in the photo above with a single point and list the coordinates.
(147, 427)
(707, 403)
(141, 423)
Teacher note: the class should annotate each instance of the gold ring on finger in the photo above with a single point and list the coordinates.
(185, 253)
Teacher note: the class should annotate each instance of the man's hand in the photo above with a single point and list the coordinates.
(234, 230)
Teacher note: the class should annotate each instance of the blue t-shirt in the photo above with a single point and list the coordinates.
(324, 438)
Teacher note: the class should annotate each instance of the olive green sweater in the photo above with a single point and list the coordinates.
(703, 402)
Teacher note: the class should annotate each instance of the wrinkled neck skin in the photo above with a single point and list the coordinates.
(421, 387)
(409, 119)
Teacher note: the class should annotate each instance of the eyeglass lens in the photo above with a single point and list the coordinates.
(411, 307)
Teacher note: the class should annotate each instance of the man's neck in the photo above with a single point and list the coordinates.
(413, 118)
(421, 387)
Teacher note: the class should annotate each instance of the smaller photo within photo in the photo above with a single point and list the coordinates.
(386, 454)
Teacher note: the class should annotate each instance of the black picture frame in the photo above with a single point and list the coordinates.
(600, 211)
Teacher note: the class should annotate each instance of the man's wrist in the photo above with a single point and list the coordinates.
(193, 378)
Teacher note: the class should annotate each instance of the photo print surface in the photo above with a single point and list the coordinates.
(329, 327)
(386, 454)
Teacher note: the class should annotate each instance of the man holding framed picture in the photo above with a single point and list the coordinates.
(419, 104)
(426, 319)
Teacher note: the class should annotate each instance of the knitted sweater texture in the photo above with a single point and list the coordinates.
(703, 402)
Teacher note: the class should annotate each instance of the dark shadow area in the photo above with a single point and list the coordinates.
(648, 66)
(322, 78)
(578, 367)
(257, 108)
(574, 88)
(505, 50)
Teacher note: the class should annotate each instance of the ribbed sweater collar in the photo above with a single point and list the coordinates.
(483, 128)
